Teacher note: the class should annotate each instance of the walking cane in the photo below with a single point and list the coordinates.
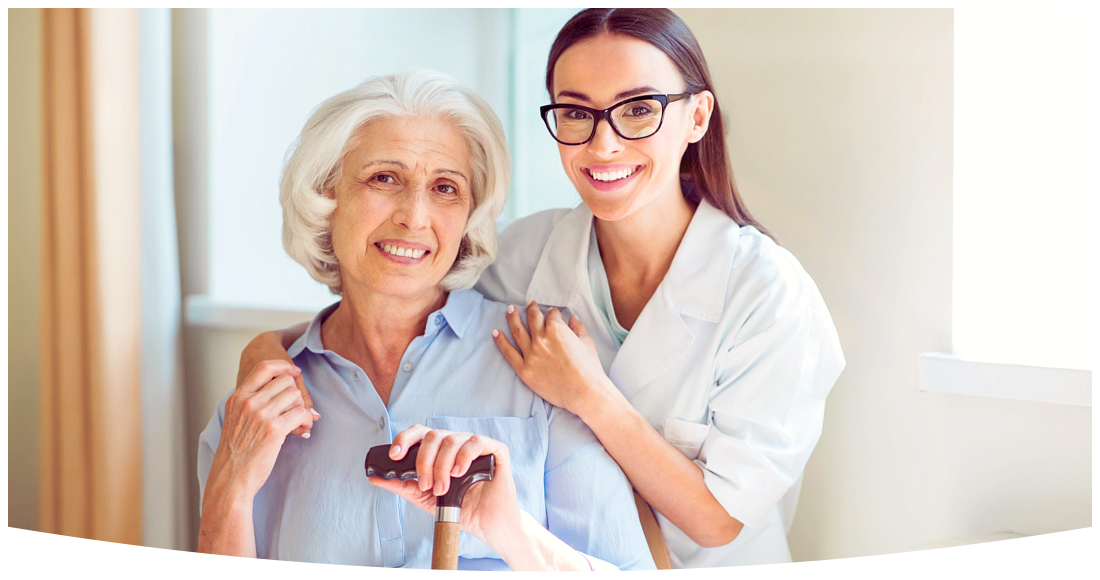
(448, 510)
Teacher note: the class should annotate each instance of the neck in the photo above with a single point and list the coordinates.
(641, 246)
(374, 330)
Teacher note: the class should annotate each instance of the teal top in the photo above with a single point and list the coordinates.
(601, 291)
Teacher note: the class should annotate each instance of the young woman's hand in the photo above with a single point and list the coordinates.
(556, 360)
(272, 345)
(489, 510)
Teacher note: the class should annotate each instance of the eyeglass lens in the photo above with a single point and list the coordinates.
(633, 120)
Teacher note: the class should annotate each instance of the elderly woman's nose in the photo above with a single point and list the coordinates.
(412, 212)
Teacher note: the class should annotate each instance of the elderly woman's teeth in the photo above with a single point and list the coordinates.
(403, 252)
(611, 175)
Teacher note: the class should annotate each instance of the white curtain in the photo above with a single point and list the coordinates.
(164, 451)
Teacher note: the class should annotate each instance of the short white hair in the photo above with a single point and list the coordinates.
(315, 160)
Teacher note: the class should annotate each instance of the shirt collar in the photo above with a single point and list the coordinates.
(695, 285)
(458, 314)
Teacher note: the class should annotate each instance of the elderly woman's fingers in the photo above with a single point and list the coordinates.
(519, 331)
(473, 448)
(265, 371)
(291, 418)
(425, 458)
(445, 460)
(285, 400)
(405, 439)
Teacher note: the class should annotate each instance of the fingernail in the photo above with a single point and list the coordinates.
(395, 450)
(314, 411)
(511, 309)
(305, 435)
(297, 369)
(496, 333)
(439, 488)
(454, 471)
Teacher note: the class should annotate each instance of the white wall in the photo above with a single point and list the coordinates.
(842, 143)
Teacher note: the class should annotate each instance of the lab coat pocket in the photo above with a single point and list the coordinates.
(686, 436)
(526, 439)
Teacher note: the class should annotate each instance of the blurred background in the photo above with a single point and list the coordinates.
(144, 154)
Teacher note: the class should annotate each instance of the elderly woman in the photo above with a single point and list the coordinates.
(389, 199)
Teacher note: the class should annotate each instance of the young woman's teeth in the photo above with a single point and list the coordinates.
(611, 175)
(403, 252)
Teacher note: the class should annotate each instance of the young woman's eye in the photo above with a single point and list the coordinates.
(577, 115)
(638, 111)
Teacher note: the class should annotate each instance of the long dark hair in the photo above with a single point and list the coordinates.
(705, 168)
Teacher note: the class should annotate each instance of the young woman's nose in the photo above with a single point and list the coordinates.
(413, 211)
(606, 141)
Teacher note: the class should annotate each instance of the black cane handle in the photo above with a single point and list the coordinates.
(379, 464)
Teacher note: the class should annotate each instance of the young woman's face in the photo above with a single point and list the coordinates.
(599, 72)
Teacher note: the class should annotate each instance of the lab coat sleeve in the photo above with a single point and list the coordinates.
(768, 404)
(589, 501)
(519, 248)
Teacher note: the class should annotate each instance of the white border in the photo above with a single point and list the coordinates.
(946, 373)
(647, 573)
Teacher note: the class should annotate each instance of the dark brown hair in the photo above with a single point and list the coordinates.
(705, 169)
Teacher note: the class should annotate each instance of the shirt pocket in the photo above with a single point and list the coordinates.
(526, 439)
(686, 436)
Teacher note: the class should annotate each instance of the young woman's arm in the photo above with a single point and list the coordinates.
(581, 386)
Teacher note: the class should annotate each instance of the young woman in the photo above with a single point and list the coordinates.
(697, 350)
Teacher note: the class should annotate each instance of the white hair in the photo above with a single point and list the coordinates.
(315, 160)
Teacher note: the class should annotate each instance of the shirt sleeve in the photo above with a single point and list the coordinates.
(208, 445)
(768, 404)
(589, 501)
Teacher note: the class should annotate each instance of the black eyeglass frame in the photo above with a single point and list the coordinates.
(606, 115)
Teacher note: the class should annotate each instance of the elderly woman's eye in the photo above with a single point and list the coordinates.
(384, 178)
(447, 189)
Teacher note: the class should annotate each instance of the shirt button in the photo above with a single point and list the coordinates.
(408, 367)
(438, 319)
(382, 423)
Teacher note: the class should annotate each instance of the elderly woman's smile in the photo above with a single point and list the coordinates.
(402, 203)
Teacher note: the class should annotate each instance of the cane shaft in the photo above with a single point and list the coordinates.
(445, 546)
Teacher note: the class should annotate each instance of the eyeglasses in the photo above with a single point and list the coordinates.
(634, 118)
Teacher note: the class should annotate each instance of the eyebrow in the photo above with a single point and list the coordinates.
(401, 165)
(623, 95)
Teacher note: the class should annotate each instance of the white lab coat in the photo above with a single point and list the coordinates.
(730, 361)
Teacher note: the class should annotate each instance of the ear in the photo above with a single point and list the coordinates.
(700, 115)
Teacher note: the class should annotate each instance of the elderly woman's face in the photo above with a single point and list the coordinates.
(402, 203)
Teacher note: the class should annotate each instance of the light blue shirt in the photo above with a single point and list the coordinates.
(317, 505)
(601, 291)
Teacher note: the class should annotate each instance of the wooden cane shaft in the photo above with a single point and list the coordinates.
(445, 546)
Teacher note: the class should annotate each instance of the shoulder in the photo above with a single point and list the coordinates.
(519, 248)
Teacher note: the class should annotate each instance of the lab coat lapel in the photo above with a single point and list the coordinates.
(561, 278)
(694, 286)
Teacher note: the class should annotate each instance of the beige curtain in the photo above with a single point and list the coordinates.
(91, 303)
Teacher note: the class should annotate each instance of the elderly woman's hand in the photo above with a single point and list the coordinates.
(489, 510)
(258, 416)
(273, 345)
(558, 361)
